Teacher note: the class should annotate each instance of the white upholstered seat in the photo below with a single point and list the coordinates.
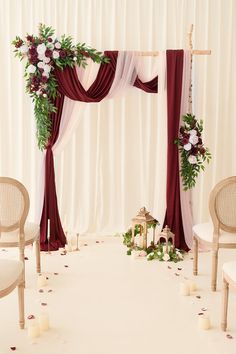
(31, 232)
(229, 269)
(221, 232)
(11, 276)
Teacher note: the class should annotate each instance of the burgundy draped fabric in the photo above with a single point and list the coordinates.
(173, 216)
(70, 86)
(149, 86)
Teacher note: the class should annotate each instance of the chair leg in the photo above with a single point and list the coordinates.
(214, 269)
(38, 261)
(195, 256)
(21, 303)
(225, 296)
(22, 259)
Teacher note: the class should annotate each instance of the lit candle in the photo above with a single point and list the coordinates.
(204, 322)
(184, 289)
(44, 321)
(42, 281)
(33, 329)
(48, 229)
(192, 286)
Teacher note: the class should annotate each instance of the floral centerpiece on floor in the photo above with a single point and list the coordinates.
(192, 150)
(44, 53)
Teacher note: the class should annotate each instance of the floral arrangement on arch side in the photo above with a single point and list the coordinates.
(43, 53)
(193, 153)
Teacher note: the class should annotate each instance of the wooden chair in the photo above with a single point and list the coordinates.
(11, 276)
(221, 233)
(14, 231)
(229, 278)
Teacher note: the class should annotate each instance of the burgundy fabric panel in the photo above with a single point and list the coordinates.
(50, 207)
(149, 86)
(70, 86)
(173, 216)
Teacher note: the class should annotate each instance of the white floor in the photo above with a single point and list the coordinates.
(105, 302)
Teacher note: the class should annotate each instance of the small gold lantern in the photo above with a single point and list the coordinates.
(167, 235)
(143, 218)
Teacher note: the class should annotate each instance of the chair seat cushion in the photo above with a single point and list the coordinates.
(31, 233)
(205, 233)
(229, 268)
(9, 272)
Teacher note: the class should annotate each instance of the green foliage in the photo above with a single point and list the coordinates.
(159, 252)
(127, 236)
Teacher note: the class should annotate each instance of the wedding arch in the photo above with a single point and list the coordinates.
(53, 77)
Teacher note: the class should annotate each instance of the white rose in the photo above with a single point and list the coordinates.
(166, 257)
(45, 74)
(55, 54)
(159, 253)
(38, 93)
(193, 132)
(193, 139)
(187, 147)
(47, 68)
(74, 58)
(41, 48)
(57, 45)
(40, 65)
(24, 49)
(31, 69)
(192, 159)
(50, 46)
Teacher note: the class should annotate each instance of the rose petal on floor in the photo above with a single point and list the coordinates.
(43, 303)
(13, 348)
(229, 336)
(31, 317)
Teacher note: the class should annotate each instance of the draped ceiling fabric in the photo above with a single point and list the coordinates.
(70, 86)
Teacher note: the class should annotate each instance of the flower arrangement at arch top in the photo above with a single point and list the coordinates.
(192, 150)
(43, 53)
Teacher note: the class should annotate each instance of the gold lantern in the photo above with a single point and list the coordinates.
(167, 235)
(143, 219)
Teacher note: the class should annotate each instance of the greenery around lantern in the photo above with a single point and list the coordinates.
(44, 53)
(154, 251)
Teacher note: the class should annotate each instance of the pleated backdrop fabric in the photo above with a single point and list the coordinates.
(115, 162)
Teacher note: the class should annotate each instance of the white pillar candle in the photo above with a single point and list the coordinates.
(33, 330)
(204, 322)
(48, 236)
(42, 281)
(44, 321)
(192, 286)
(184, 289)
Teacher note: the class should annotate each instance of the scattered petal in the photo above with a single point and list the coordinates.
(186, 278)
(63, 254)
(66, 266)
(4, 250)
(43, 303)
(200, 314)
(31, 317)
(179, 268)
(41, 290)
(85, 244)
(169, 267)
(13, 348)
(26, 258)
(56, 273)
(97, 241)
(50, 291)
(191, 258)
(177, 274)
(198, 297)
(203, 309)
(229, 336)
(47, 278)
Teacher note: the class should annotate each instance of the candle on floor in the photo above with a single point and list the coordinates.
(48, 235)
(184, 289)
(44, 321)
(33, 330)
(192, 286)
(42, 281)
(204, 322)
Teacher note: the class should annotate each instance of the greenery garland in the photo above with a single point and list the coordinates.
(43, 53)
(193, 153)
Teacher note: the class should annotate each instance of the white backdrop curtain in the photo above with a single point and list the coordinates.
(117, 141)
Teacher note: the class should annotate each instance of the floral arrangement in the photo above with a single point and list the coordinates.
(192, 150)
(154, 251)
(43, 53)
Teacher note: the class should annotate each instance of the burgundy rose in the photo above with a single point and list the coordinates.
(49, 39)
(200, 141)
(35, 80)
(194, 151)
(186, 135)
(182, 130)
(32, 50)
(48, 53)
(62, 53)
(29, 38)
(184, 141)
(202, 150)
(44, 79)
(19, 43)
